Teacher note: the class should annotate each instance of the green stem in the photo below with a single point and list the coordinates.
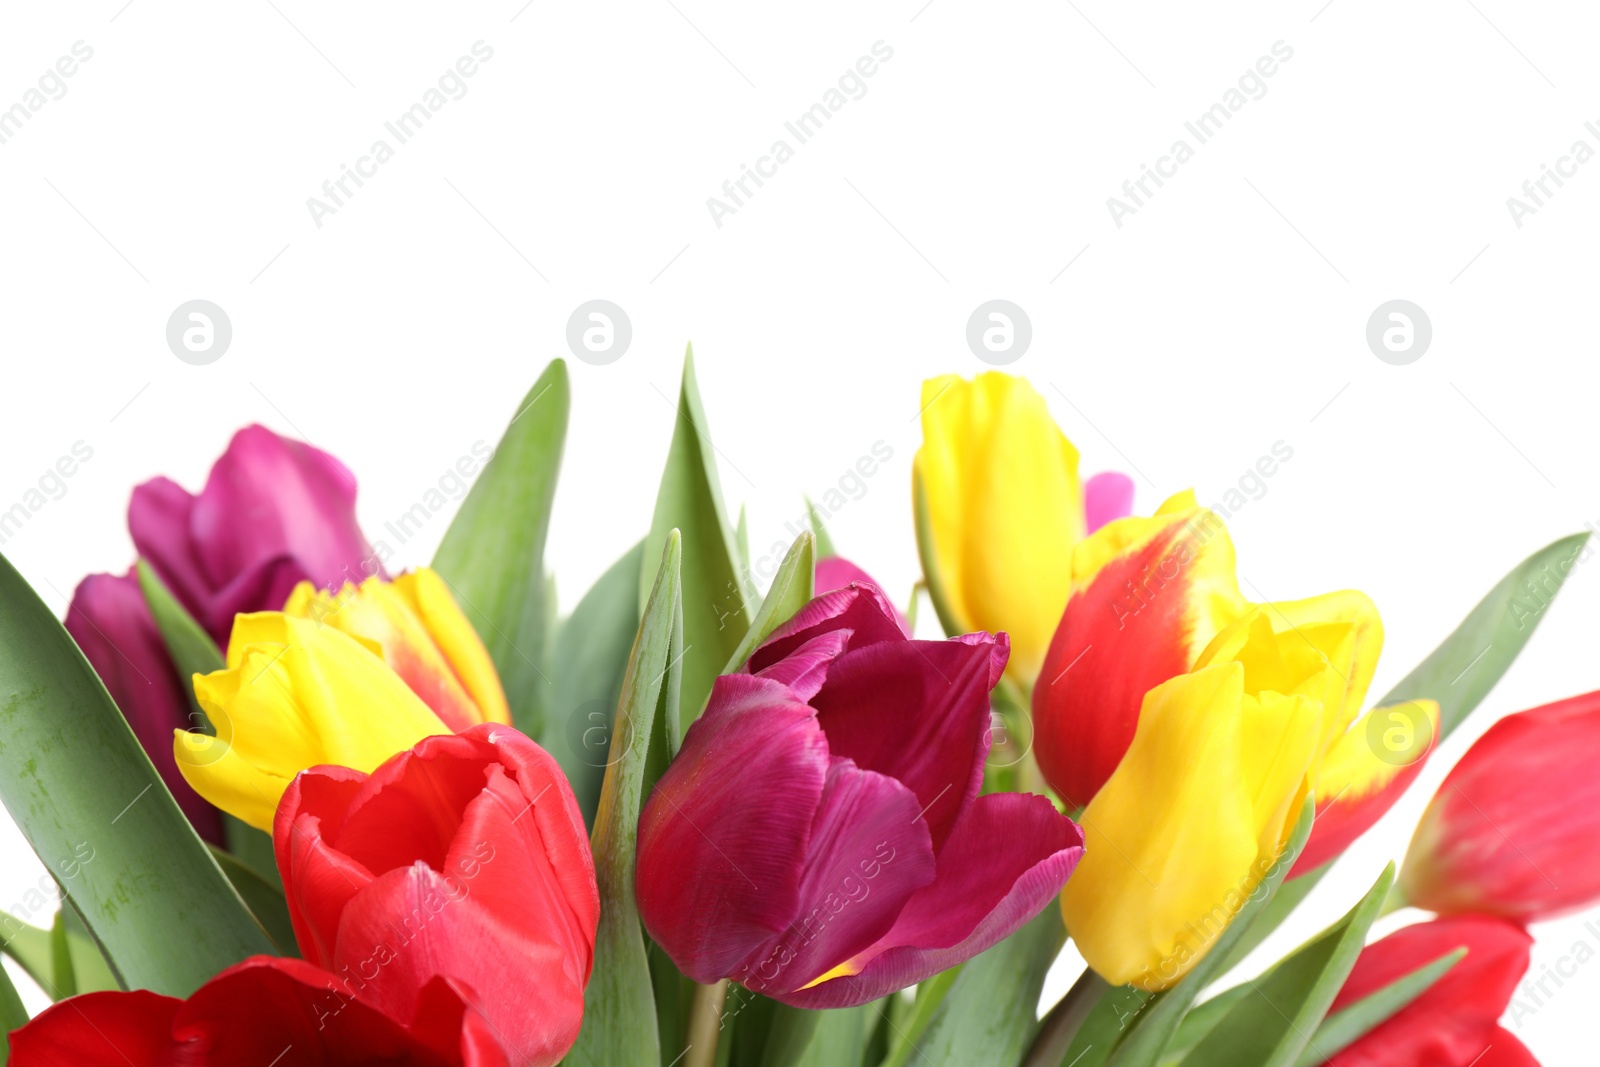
(705, 1024)
(1060, 1025)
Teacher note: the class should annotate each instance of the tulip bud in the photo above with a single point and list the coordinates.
(111, 623)
(464, 858)
(820, 838)
(425, 638)
(274, 512)
(294, 695)
(997, 482)
(1512, 829)
(1454, 1023)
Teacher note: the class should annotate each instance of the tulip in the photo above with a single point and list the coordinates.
(273, 513)
(998, 496)
(251, 1012)
(294, 694)
(464, 858)
(112, 625)
(1512, 829)
(424, 637)
(820, 838)
(836, 572)
(1455, 1020)
(1199, 809)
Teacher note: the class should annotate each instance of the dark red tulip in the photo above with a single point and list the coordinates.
(111, 623)
(1513, 827)
(273, 512)
(820, 838)
(1456, 1019)
(246, 1016)
(465, 858)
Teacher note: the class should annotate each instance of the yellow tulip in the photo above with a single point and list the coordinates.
(422, 634)
(999, 508)
(294, 694)
(1200, 807)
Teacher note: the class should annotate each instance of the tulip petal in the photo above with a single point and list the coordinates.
(319, 880)
(868, 853)
(1106, 497)
(98, 1030)
(836, 572)
(806, 668)
(861, 609)
(159, 514)
(1007, 858)
(917, 711)
(463, 649)
(721, 855)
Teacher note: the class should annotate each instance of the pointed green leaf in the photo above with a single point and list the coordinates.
(906, 1033)
(989, 1015)
(1154, 1027)
(191, 648)
(265, 901)
(825, 549)
(619, 1026)
(13, 1015)
(715, 613)
(1273, 1026)
(98, 816)
(492, 556)
(1341, 1029)
(66, 984)
(792, 588)
(932, 579)
(91, 973)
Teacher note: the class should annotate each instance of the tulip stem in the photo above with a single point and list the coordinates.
(705, 1024)
(1060, 1025)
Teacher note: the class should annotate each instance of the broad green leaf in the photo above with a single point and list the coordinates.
(61, 957)
(1154, 1027)
(90, 971)
(265, 901)
(1200, 1021)
(95, 811)
(492, 556)
(836, 1038)
(715, 613)
(1273, 1025)
(589, 657)
(1061, 1024)
(741, 540)
(1462, 670)
(1269, 918)
(1339, 1030)
(619, 1007)
(989, 1014)
(13, 1015)
(906, 1033)
(825, 549)
(792, 588)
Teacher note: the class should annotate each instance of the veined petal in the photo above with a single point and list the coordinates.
(433, 602)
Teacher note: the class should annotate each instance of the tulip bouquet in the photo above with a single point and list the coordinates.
(301, 810)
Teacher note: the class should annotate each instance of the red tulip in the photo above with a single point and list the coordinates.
(273, 512)
(111, 623)
(466, 858)
(1512, 829)
(249, 1014)
(1456, 1019)
(819, 837)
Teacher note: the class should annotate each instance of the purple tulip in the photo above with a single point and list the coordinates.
(273, 512)
(836, 572)
(820, 838)
(113, 626)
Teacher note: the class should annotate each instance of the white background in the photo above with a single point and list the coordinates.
(1226, 315)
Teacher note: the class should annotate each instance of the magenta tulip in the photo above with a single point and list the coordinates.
(820, 838)
(273, 512)
(836, 572)
(111, 623)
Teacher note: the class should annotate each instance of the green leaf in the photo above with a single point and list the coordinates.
(1201, 1020)
(191, 648)
(825, 549)
(1341, 1029)
(492, 556)
(13, 1015)
(98, 816)
(792, 588)
(1273, 1026)
(1269, 918)
(989, 1015)
(906, 1034)
(265, 901)
(715, 614)
(252, 848)
(61, 957)
(589, 658)
(34, 950)
(932, 579)
(834, 1038)
(1466, 666)
(619, 1006)
(1155, 1026)
(91, 972)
